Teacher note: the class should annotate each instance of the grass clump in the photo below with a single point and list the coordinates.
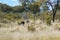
(31, 28)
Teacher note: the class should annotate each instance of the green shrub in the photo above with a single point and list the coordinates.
(0, 25)
(47, 18)
(31, 28)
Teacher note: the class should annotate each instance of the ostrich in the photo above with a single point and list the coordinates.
(22, 22)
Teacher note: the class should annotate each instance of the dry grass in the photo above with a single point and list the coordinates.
(20, 32)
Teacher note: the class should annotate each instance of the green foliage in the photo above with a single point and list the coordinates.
(45, 7)
(34, 7)
(8, 9)
(31, 28)
(30, 15)
(58, 15)
(10, 16)
(18, 9)
(5, 8)
(0, 25)
(47, 18)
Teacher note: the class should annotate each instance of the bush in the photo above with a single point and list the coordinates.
(47, 18)
(31, 28)
(0, 25)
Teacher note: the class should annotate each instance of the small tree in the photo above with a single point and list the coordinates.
(54, 8)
